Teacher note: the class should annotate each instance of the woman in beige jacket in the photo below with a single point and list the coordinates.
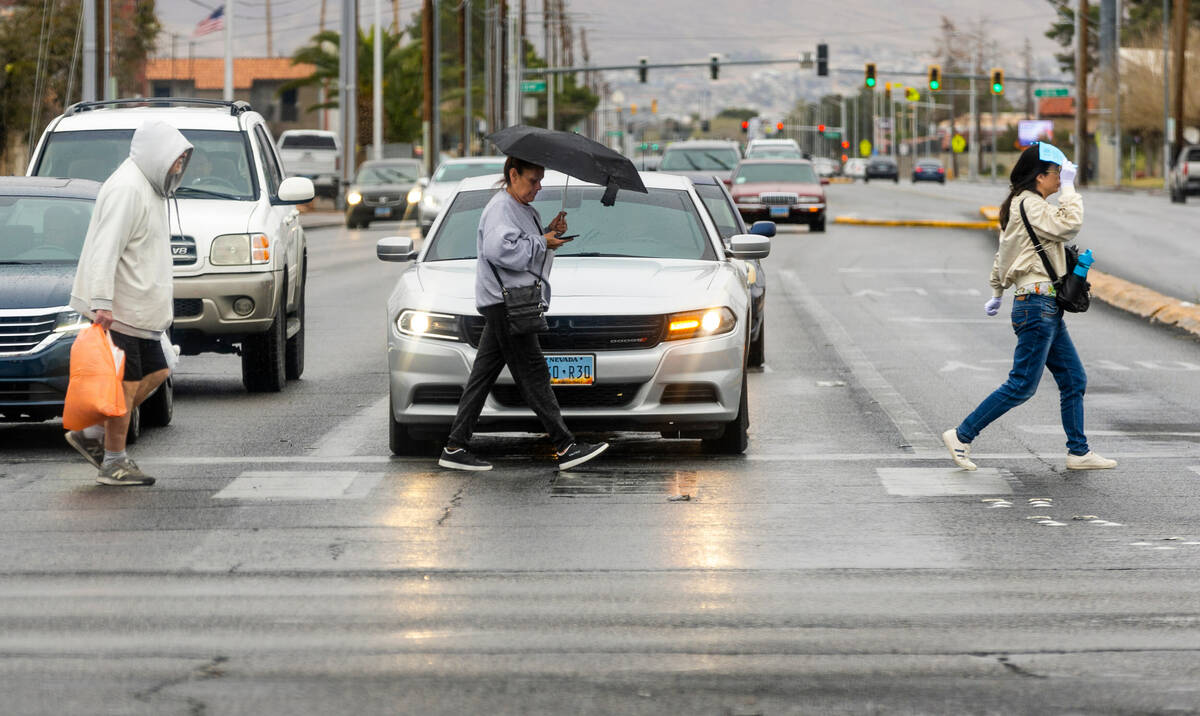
(1042, 339)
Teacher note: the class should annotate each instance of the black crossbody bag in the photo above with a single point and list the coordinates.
(524, 305)
(1070, 291)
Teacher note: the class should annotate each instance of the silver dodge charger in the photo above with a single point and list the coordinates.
(649, 318)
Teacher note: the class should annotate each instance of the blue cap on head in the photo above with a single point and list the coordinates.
(1050, 153)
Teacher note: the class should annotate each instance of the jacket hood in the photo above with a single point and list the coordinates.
(154, 148)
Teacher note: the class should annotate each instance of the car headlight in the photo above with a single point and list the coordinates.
(705, 322)
(422, 324)
(746, 199)
(353, 198)
(240, 250)
(808, 199)
(430, 202)
(414, 195)
(69, 322)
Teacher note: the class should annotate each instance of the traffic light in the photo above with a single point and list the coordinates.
(714, 65)
(845, 145)
(997, 80)
(745, 126)
(822, 60)
(633, 109)
(869, 79)
(779, 126)
(935, 77)
(653, 106)
(821, 129)
(642, 69)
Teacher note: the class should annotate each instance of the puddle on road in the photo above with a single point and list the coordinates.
(608, 483)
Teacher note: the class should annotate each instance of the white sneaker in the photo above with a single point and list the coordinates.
(1090, 461)
(960, 452)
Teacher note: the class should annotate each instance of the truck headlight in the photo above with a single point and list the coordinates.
(353, 198)
(69, 322)
(421, 324)
(240, 250)
(695, 324)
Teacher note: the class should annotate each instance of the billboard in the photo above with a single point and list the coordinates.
(1034, 130)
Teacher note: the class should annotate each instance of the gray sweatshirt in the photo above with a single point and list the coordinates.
(510, 237)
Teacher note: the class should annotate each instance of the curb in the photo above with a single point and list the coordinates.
(928, 223)
(1144, 302)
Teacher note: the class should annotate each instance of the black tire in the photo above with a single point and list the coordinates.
(159, 408)
(135, 427)
(896, 180)
(401, 441)
(351, 223)
(818, 226)
(1174, 196)
(736, 438)
(364, 224)
(293, 360)
(866, 180)
(263, 368)
(758, 348)
(1182, 196)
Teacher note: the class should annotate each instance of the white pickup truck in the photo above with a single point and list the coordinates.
(315, 154)
(1185, 174)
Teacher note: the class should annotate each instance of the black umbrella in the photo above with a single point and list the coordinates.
(572, 154)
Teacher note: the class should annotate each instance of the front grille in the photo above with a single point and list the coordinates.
(599, 395)
(592, 333)
(187, 307)
(438, 394)
(689, 393)
(19, 334)
(183, 250)
(778, 198)
(27, 391)
(388, 199)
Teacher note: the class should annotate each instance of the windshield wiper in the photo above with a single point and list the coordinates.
(594, 254)
(16, 263)
(717, 159)
(205, 192)
(688, 157)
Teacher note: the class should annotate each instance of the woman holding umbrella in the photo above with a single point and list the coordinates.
(513, 249)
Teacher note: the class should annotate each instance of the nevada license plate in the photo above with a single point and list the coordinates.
(572, 370)
(780, 210)
(383, 211)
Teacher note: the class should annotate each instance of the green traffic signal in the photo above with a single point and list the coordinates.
(870, 81)
(935, 85)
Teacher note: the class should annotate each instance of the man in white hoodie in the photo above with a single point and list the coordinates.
(124, 283)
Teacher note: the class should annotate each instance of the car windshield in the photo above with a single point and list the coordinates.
(308, 141)
(219, 167)
(699, 159)
(388, 174)
(719, 209)
(774, 153)
(790, 173)
(39, 229)
(661, 224)
(457, 171)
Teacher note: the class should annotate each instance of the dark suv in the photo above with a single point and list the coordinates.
(882, 168)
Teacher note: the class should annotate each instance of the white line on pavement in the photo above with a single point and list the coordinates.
(344, 440)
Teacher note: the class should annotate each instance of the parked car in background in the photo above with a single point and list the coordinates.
(440, 187)
(383, 190)
(1185, 175)
(43, 223)
(774, 149)
(855, 168)
(826, 168)
(882, 167)
(315, 154)
(701, 158)
(724, 212)
(929, 170)
(241, 257)
(648, 328)
(647, 162)
(781, 190)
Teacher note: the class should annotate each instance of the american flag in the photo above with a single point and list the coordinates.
(213, 23)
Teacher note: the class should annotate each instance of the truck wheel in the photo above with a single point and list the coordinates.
(736, 438)
(159, 408)
(263, 358)
(294, 354)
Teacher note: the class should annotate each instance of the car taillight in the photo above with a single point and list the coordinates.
(941, 171)
(1185, 166)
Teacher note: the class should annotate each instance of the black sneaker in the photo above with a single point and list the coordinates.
(460, 459)
(579, 453)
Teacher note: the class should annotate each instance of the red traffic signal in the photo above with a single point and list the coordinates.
(821, 128)
(845, 144)
(779, 126)
(745, 125)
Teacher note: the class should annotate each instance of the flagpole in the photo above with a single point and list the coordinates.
(228, 50)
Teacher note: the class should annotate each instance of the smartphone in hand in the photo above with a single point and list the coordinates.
(567, 238)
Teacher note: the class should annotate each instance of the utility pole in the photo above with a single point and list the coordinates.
(270, 50)
(515, 40)
(427, 84)
(1181, 36)
(994, 125)
(1166, 14)
(89, 51)
(1081, 99)
(376, 85)
(976, 137)
(468, 118)
(348, 88)
(548, 8)
(229, 23)
(110, 89)
(395, 16)
(436, 109)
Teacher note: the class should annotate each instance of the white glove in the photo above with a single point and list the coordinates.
(1067, 173)
(992, 307)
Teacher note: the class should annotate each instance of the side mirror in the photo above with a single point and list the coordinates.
(395, 248)
(423, 181)
(763, 228)
(749, 246)
(295, 190)
(728, 181)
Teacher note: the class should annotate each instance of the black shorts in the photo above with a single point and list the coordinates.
(142, 356)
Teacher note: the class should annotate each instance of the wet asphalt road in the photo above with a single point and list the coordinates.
(286, 564)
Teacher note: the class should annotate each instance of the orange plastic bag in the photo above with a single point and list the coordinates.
(94, 391)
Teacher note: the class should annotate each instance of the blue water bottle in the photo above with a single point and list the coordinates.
(1083, 264)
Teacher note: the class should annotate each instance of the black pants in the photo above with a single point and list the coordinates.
(523, 356)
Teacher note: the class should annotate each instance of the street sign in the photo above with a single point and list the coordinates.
(1053, 92)
(958, 144)
(911, 94)
(864, 148)
(614, 133)
(533, 86)
(832, 134)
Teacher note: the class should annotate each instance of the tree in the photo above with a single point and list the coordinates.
(739, 113)
(1143, 17)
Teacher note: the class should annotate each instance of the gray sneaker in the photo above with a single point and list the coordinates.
(92, 450)
(122, 473)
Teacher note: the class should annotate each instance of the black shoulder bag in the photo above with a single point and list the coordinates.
(523, 304)
(1071, 290)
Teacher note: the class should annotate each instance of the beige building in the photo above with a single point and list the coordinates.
(256, 80)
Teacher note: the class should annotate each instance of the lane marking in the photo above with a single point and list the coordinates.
(344, 439)
(903, 416)
(943, 481)
(893, 271)
(283, 485)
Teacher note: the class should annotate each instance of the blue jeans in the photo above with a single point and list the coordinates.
(1042, 341)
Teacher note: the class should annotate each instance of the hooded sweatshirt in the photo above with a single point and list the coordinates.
(1017, 262)
(126, 266)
